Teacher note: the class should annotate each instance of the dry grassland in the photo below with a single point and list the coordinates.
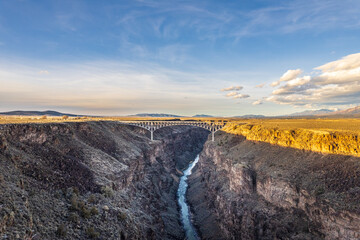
(47, 119)
(336, 136)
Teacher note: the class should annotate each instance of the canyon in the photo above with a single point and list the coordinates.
(92, 180)
(246, 189)
(104, 180)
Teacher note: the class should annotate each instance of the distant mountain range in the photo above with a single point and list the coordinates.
(311, 112)
(155, 115)
(250, 116)
(39, 113)
(351, 112)
(202, 116)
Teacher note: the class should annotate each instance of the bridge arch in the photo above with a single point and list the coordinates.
(152, 126)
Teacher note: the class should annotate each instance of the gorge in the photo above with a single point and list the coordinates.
(104, 180)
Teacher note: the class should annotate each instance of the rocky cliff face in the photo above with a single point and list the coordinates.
(92, 180)
(245, 189)
(321, 140)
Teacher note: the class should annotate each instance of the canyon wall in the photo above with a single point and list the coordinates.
(319, 139)
(245, 189)
(92, 180)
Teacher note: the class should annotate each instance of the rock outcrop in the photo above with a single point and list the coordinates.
(245, 189)
(99, 180)
(320, 140)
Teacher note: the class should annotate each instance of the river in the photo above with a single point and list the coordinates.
(185, 216)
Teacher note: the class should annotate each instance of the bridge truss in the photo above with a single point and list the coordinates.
(152, 126)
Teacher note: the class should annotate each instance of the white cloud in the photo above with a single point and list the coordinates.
(349, 62)
(241, 96)
(287, 76)
(206, 22)
(232, 88)
(290, 74)
(111, 87)
(260, 85)
(294, 85)
(339, 77)
(231, 94)
(257, 102)
(337, 84)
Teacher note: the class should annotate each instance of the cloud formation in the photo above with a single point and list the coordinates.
(110, 88)
(241, 95)
(287, 76)
(232, 88)
(338, 83)
(257, 102)
(235, 92)
(260, 85)
(231, 94)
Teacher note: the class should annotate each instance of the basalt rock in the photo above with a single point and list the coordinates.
(88, 180)
(245, 189)
(324, 141)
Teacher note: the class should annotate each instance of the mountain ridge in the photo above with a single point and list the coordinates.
(39, 113)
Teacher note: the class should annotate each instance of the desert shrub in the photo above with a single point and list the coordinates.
(92, 233)
(121, 216)
(76, 190)
(65, 117)
(92, 199)
(81, 207)
(73, 217)
(94, 211)
(61, 230)
(319, 190)
(85, 212)
(74, 202)
(107, 191)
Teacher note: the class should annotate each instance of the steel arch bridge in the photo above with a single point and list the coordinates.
(152, 126)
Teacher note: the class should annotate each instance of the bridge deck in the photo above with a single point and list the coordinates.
(154, 125)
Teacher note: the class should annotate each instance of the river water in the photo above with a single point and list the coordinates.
(185, 216)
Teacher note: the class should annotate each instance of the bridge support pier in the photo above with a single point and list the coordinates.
(154, 125)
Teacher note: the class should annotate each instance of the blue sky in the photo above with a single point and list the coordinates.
(182, 57)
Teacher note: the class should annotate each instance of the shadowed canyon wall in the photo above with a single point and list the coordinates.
(103, 180)
(97, 180)
(245, 189)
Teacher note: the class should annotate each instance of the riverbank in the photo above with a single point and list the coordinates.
(185, 213)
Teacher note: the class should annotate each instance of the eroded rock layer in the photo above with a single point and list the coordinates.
(97, 180)
(318, 140)
(245, 189)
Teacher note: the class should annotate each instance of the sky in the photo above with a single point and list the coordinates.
(223, 58)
